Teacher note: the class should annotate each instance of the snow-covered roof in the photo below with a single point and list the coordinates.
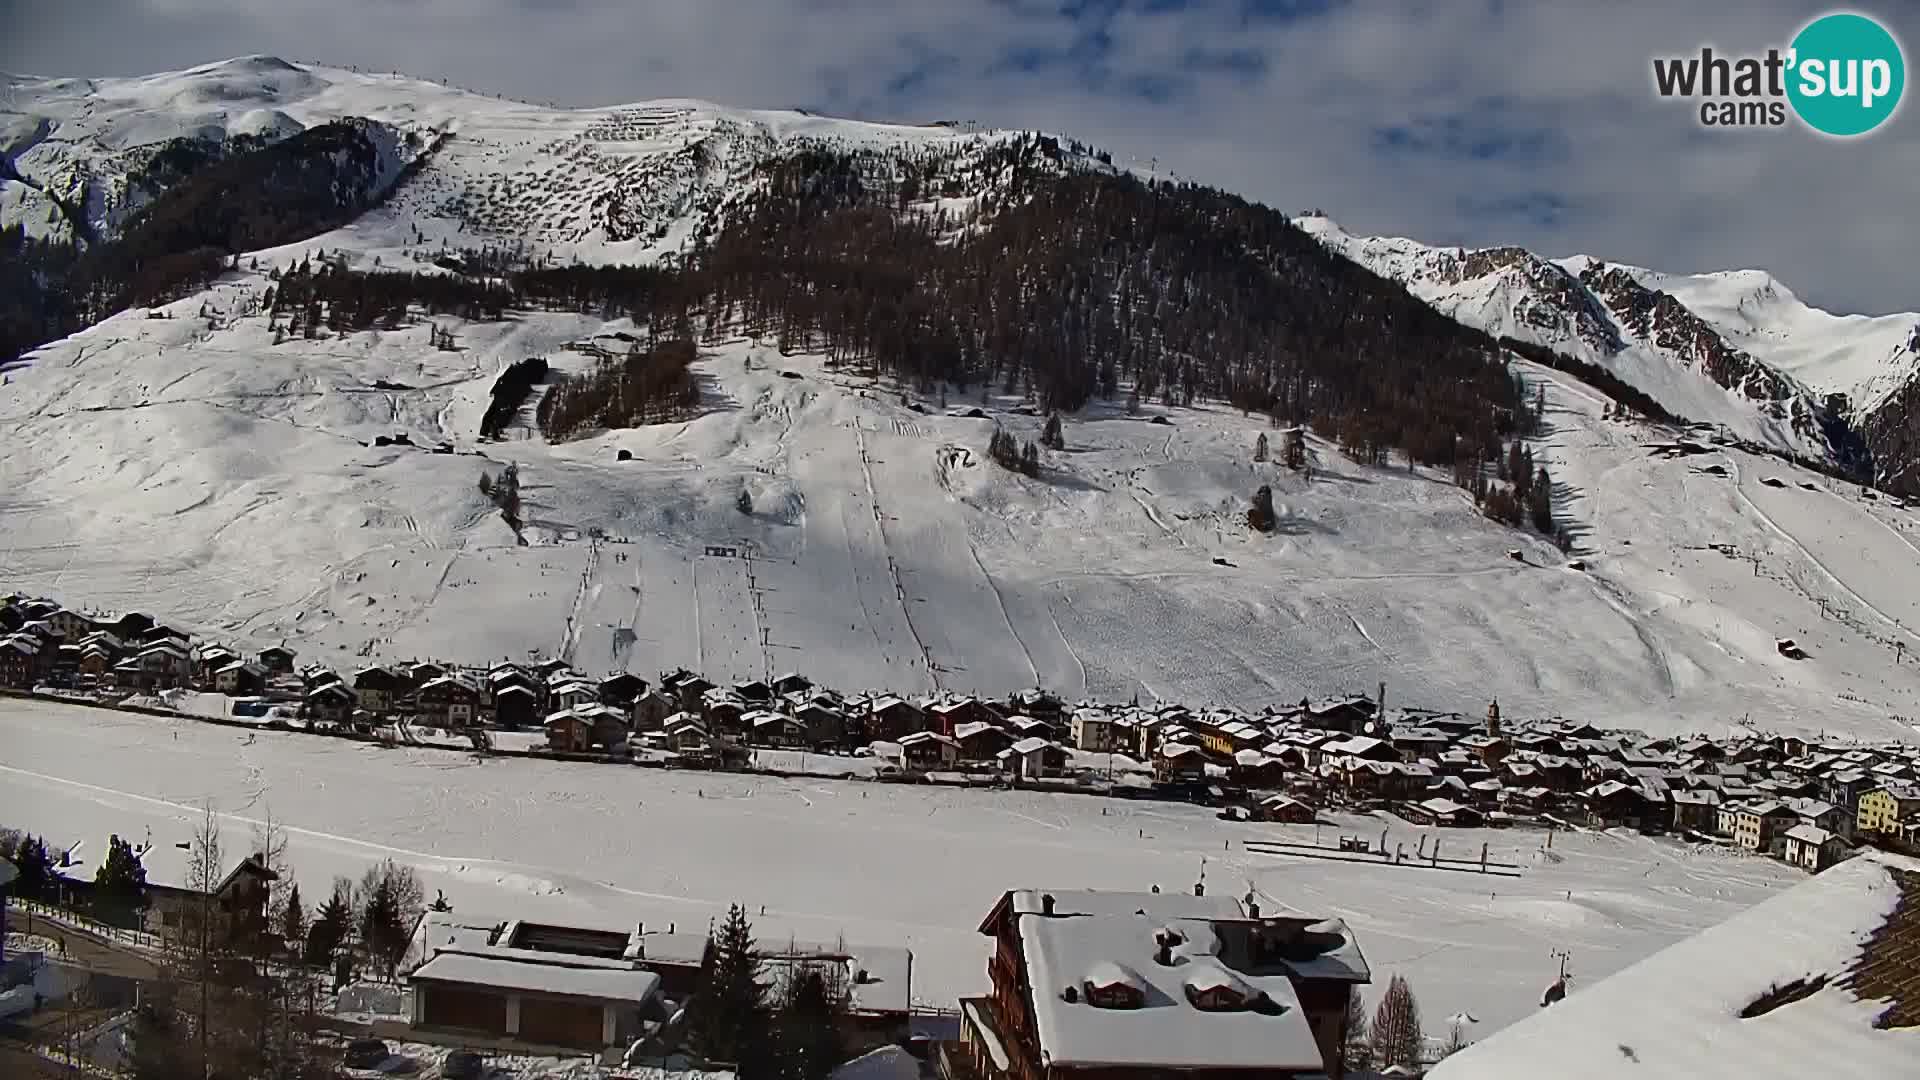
(1166, 1030)
(544, 973)
(1809, 834)
(1837, 947)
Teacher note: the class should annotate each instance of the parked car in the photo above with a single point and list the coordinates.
(366, 1054)
(463, 1065)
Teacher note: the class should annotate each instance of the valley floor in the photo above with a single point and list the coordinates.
(873, 863)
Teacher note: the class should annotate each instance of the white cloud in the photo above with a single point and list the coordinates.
(1289, 112)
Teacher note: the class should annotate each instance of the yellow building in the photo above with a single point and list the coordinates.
(1884, 809)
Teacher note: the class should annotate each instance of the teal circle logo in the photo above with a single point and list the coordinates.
(1847, 74)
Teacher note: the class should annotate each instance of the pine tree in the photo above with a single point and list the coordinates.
(329, 929)
(1540, 501)
(120, 885)
(1260, 516)
(39, 879)
(1359, 1050)
(1260, 447)
(381, 929)
(1050, 436)
(1397, 1038)
(809, 1037)
(734, 998)
(293, 919)
(1030, 460)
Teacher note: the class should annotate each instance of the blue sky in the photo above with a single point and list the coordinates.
(1467, 122)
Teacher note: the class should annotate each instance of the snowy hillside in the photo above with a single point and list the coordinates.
(1734, 349)
(184, 460)
(622, 183)
(230, 483)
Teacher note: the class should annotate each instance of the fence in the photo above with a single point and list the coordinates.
(75, 920)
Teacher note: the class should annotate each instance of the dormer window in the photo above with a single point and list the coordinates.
(1212, 988)
(1111, 986)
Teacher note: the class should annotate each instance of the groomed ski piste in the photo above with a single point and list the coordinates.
(879, 864)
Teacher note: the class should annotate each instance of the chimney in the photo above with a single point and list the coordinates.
(1199, 888)
(1253, 909)
(1046, 903)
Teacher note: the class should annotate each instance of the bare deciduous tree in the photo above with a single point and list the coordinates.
(1397, 1038)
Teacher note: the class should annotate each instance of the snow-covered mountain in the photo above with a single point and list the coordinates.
(624, 183)
(195, 458)
(1735, 349)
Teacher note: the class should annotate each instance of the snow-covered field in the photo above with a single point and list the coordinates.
(878, 863)
(227, 483)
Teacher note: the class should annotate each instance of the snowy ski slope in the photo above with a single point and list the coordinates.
(227, 483)
(877, 864)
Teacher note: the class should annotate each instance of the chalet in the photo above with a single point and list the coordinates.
(1348, 714)
(1615, 803)
(515, 706)
(70, 625)
(1845, 787)
(929, 751)
(1180, 763)
(1363, 747)
(1698, 811)
(163, 664)
(571, 692)
(330, 704)
(1442, 812)
(651, 709)
(1823, 815)
(687, 735)
(768, 728)
(237, 902)
(1033, 758)
(723, 710)
(546, 669)
(209, 659)
(1285, 809)
(1095, 731)
(1758, 826)
(381, 690)
(1413, 744)
(825, 727)
(1131, 986)
(240, 677)
(568, 732)
(21, 661)
(502, 675)
(1036, 703)
(754, 692)
(689, 688)
(792, 683)
(1032, 727)
(622, 690)
(1812, 848)
(890, 718)
(981, 741)
(96, 659)
(129, 626)
(946, 717)
(449, 701)
(275, 658)
(1253, 769)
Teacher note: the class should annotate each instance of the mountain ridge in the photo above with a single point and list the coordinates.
(1735, 348)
